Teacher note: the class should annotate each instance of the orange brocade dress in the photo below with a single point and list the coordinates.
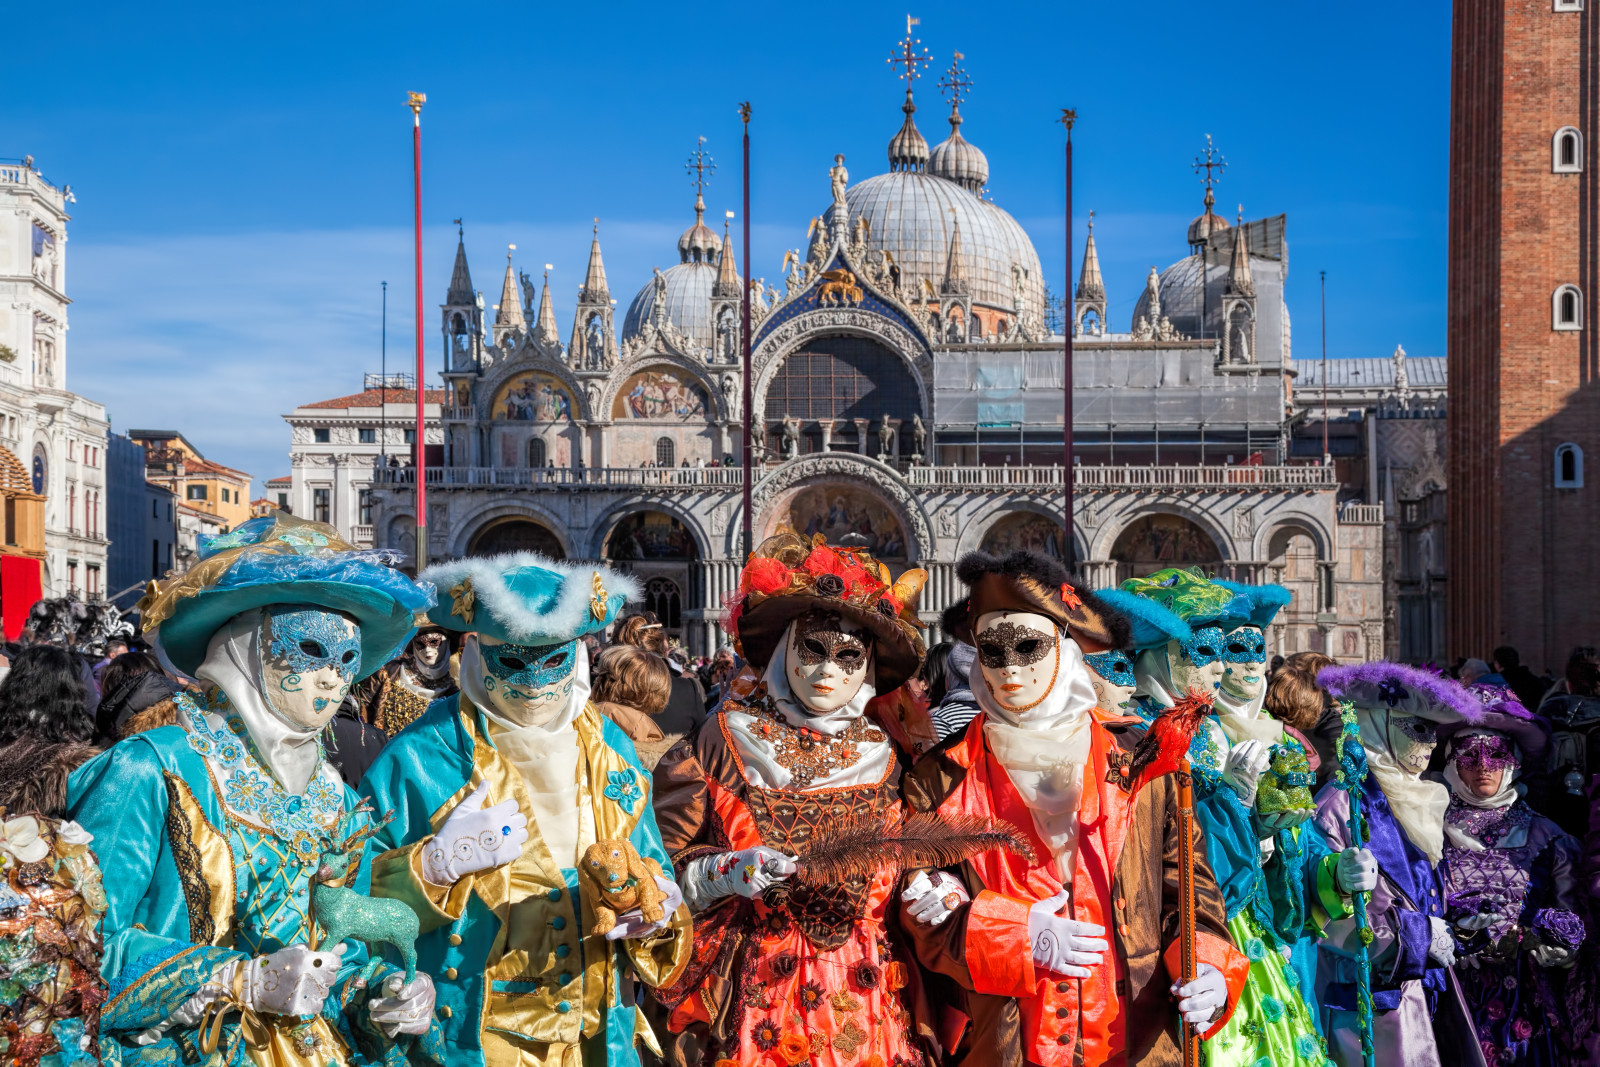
(804, 975)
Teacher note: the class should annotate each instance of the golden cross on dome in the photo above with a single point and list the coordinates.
(955, 83)
(906, 55)
(702, 166)
(1210, 160)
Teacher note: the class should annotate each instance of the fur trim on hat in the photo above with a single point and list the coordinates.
(1093, 623)
(1360, 683)
(33, 775)
(567, 618)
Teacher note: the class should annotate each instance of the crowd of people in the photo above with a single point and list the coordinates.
(319, 812)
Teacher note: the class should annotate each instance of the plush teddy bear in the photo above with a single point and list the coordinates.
(622, 881)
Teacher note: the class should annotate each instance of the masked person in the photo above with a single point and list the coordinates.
(398, 693)
(1419, 1017)
(787, 971)
(1512, 883)
(1111, 674)
(498, 791)
(1073, 956)
(1201, 637)
(211, 829)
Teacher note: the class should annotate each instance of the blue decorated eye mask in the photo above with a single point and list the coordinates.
(1205, 646)
(1245, 645)
(309, 640)
(1114, 667)
(530, 667)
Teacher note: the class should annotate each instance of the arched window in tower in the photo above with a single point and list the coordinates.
(1566, 151)
(1569, 466)
(1567, 308)
(1089, 324)
(458, 333)
(537, 456)
(666, 452)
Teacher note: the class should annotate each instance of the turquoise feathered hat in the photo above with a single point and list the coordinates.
(1265, 600)
(279, 559)
(1150, 624)
(524, 598)
(1195, 599)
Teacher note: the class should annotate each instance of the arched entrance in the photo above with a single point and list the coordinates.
(1024, 531)
(846, 515)
(1157, 541)
(661, 553)
(1293, 563)
(515, 534)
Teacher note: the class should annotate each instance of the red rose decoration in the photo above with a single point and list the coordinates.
(866, 974)
(767, 576)
(824, 560)
(784, 965)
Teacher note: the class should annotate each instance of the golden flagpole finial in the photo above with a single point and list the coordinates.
(415, 101)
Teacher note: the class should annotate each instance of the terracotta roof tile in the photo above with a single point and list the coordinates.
(375, 397)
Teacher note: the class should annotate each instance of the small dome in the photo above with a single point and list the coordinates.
(1185, 301)
(959, 160)
(699, 243)
(1206, 224)
(908, 149)
(687, 302)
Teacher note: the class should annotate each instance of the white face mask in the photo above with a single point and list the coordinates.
(428, 654)
(1197, 664)
(1109, 695)
(1412, 740)
(528, 684)
(1019, 654)
(309, 661)
(827, 660)
(1244, 674)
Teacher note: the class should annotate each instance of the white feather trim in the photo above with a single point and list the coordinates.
(522, 624)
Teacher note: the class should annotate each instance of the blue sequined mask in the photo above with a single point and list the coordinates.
(531, 667)
(1246, 645)
(309, 640)
(1204, 646)
(1114, 667)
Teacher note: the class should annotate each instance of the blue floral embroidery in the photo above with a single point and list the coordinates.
(1272, 1008)
(1254, 949)
(247, 789)
(1309, 1048)
(623, 789)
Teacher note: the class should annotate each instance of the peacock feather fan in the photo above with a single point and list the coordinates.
(859, 847)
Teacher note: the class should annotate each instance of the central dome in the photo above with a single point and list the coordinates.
(913, 215)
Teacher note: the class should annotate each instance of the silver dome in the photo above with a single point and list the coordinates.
(688, 302)
(1182, 299)
(912, 216)
(959, 160)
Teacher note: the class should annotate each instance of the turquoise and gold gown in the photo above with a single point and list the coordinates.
(1269, 908)
(209, 859)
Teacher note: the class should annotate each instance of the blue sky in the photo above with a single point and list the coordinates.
(243, 174)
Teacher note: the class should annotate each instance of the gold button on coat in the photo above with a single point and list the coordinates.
(450, 974)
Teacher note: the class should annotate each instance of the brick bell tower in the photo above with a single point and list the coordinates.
(1524, 395)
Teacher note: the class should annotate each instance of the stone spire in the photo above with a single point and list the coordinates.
(1240, 280)
(594, 282)
(954, 276)
(1090, 301)
(509, 316)
(460, 278)
(727, 270)
(546, 328)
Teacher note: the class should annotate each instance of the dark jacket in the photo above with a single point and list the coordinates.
(351, 744)
(139, 692)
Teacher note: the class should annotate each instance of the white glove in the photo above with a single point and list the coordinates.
(1442, 949)
(1553, 956)
(1065, 946)
(1356, 871)
(1268, 823)
(474, 838)
(291, 981)
(1242, 769)
(932, 897)
(1479, 920)
(631, 925)
(1199, 1000)
(405, 1007)
(747, 873)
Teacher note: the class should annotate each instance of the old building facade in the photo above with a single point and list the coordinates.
(907, 393)
(1525, 367)
(58, 436)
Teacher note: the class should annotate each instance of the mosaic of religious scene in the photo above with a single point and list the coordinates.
(1025, 531)
(533, 397)
(650, 535)
(836, 512)
(1158, 541)
(661, 395)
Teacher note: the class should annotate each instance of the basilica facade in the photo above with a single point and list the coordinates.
(907, 377)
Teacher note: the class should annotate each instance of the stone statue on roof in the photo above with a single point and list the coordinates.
(840, 178)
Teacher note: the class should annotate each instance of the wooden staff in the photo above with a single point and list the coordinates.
(1186, 918)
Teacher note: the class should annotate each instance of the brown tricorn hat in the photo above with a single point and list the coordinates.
(1027, 581)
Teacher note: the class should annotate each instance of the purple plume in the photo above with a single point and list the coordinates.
(1385, 677)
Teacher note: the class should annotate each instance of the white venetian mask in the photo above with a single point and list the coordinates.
(1244, 659)
(1019, 653)
(309, 661)
(528, 684)
(827, 660)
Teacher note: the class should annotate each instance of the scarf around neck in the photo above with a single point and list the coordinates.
(1418, 804)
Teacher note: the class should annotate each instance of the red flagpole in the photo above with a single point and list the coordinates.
(749, 416)
(415, 102)
(1068, 117)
